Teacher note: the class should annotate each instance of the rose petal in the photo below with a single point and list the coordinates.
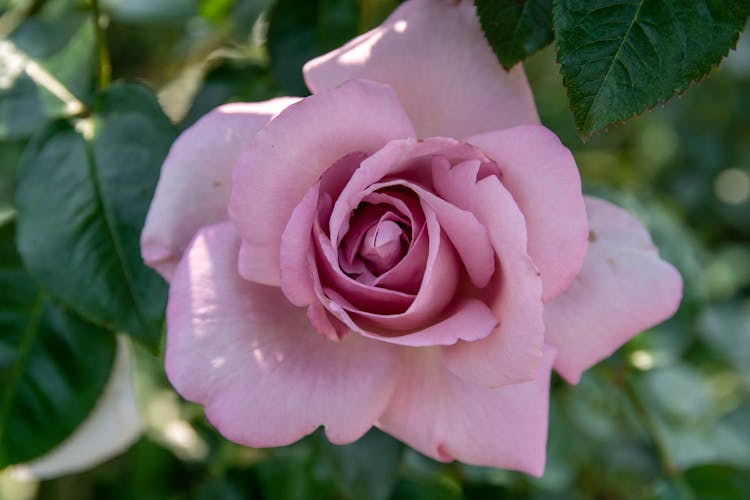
(196, 179)
(468, 236)
(542, 176)
(622, 289)
(362, 295)
(289, 154)
(433, 53)
(397, 160)
(296, 246)
(512, 353)
(264, 375)
(447, 418)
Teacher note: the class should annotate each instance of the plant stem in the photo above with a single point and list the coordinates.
(104, 70)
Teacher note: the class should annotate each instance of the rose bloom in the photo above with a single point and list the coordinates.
(406, 248)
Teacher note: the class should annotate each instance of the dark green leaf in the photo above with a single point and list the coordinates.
(299, 31)
(82, 202)
(53, 366)
(515, 28)
(719, 482)
(621, 57)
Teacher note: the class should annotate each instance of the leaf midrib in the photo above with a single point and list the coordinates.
(586, 124)
(109, 224)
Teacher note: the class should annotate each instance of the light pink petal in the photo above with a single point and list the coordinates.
(542, 176)
(433, 53)
(512, 352)
(622, 289)
(196, 179)
(289, 155)
(447, 418)
(265, 376)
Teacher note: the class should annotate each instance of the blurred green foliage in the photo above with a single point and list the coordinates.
(668, 416)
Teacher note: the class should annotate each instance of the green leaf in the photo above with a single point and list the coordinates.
(82, 201)
(621, 57)
(294, 473)
(684, 406)
(299, 31)
(53, 365)
(725, 328)
(367, 468)
(515, 28)
(46, 71)
(719, 482)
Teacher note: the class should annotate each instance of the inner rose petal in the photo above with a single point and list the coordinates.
(384, 245)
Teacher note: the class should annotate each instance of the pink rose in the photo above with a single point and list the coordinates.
(406, 248)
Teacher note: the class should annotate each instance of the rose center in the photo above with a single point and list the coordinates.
(383, 246)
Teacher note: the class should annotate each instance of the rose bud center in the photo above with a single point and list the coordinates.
(383, 246)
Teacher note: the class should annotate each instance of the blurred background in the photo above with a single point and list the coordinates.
(668, 416)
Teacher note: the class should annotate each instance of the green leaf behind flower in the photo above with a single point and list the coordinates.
(517, 28)
(53, 365)
(82, 199)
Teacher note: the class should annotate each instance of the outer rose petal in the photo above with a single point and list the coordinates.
(264, 375)
(196, 179)
(543, 178)
(433, 53)
(622, 289)
(445, 417)
(288, 156)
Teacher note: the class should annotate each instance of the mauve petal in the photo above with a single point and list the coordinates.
(288, 156)
(264, 375)
(296, 246)
(468, 236)
(447, 418)
(543, 178)
(321, 321)
(376, 299)
(622, 289)
(465, 319)
(407, 274)
(196, 179)
(395, 160)
(512, 353)
(435, 292)
(433, 53)
(368, 216)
